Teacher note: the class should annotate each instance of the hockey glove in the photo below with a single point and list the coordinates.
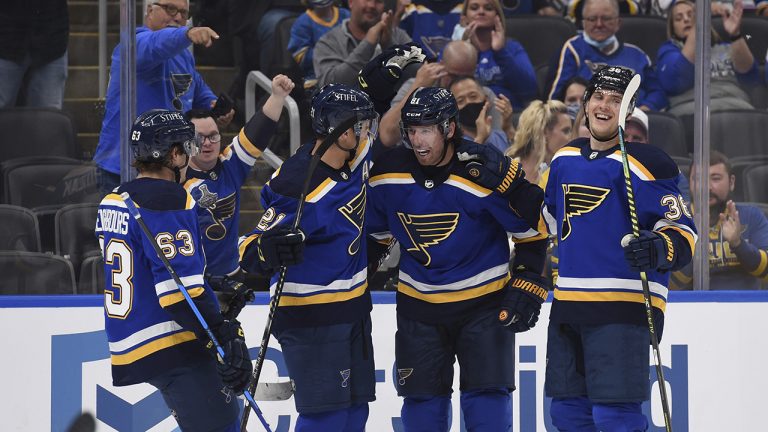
(490, 168)
(280, 246)
(379, 77)
(235, 369)
(522, 302)
(232, 293)
(651, 251)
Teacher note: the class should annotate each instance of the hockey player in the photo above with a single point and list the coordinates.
(153, 334)
(214, 179)
(323, 318)
(455, 296)
(597, 349)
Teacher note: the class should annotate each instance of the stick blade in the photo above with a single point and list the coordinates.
(273, 391)
(632, 88)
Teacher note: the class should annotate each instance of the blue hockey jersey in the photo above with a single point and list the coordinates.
(430, 24)
(217, 193)
(452, 234)
(150, 327)
(306, 31)
(330, 285)
(577, 57)
(165, 71)
(586, 207)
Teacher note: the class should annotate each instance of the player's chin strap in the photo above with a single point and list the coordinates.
(177, 170)
(607, 139)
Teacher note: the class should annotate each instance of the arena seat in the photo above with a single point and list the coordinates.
(755, 181)
(91, 278)
(666, 131)
(737, 133)
(74, 232)
(541, 36)
(35, 273)
(37, 132)
(646, 32)
(18, 230)
(757, 29)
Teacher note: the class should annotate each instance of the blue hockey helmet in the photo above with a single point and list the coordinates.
(156, 131)
(613, 78)
(335, 103)
(428, 106)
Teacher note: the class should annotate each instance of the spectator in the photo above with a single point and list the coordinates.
(503, 65)
(430, 23)
(580, 129)
(458, 60)
(214, 178)
(308, 28)
(731, 62)
(598, 46)
(576, 9)
(738, 235)
(345, 49)
(543, 128)
(474, 106)
(573, 93)
(33, 53)
(165, 78)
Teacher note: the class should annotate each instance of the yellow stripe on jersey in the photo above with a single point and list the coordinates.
(761, 267)
(244, 244)
(319, 191)
(471, 185)
(152, 347)
(607, 296)
(685, 233)
(247, 145)
(335, 297)
(390, 176)
(176, 297)
(453, 296)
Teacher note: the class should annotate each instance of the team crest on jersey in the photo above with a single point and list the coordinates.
(345, 377)
(221, 210)
(402, 374)
(181, 84)
(354, 211)
(427, 230)
(580, 200)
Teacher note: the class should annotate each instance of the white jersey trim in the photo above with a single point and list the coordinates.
(144, 335)
(303, 289)
(169, 285)
(587, 284)
(476, 280)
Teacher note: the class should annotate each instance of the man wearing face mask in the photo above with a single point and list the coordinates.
(738, 235)
(598, 46)
(473, 114)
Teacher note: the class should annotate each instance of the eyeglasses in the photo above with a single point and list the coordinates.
(172, 10)
(604, 19)
(214, 138)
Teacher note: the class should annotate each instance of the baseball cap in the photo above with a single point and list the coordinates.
(640, 118)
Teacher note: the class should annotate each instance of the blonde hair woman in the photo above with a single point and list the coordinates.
(543, 128)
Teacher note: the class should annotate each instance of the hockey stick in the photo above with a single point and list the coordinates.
(137, 216)
(330, 139)
(632, 88)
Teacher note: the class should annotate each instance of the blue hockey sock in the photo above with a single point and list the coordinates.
(427, 414)
(620, 417)
(357, 416)
(572, 414)
(487, 410)
(325, 421)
